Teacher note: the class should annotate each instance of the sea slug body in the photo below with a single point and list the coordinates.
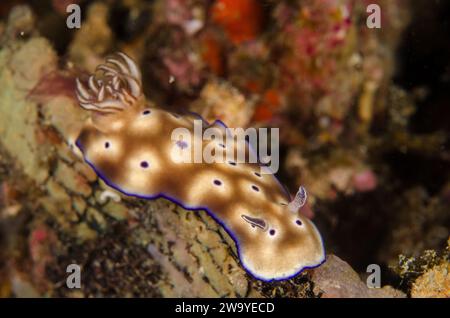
(130, 146)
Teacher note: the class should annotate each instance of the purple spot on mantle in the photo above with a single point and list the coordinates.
(146, 112)
(107, 144)
(144, 164)
(182, 144)
(298, 222)
(217, 182)
(255, 188)
(272, 232)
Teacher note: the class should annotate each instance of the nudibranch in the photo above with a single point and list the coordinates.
(129, 144)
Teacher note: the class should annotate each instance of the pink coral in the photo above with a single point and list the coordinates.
(365, 181)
